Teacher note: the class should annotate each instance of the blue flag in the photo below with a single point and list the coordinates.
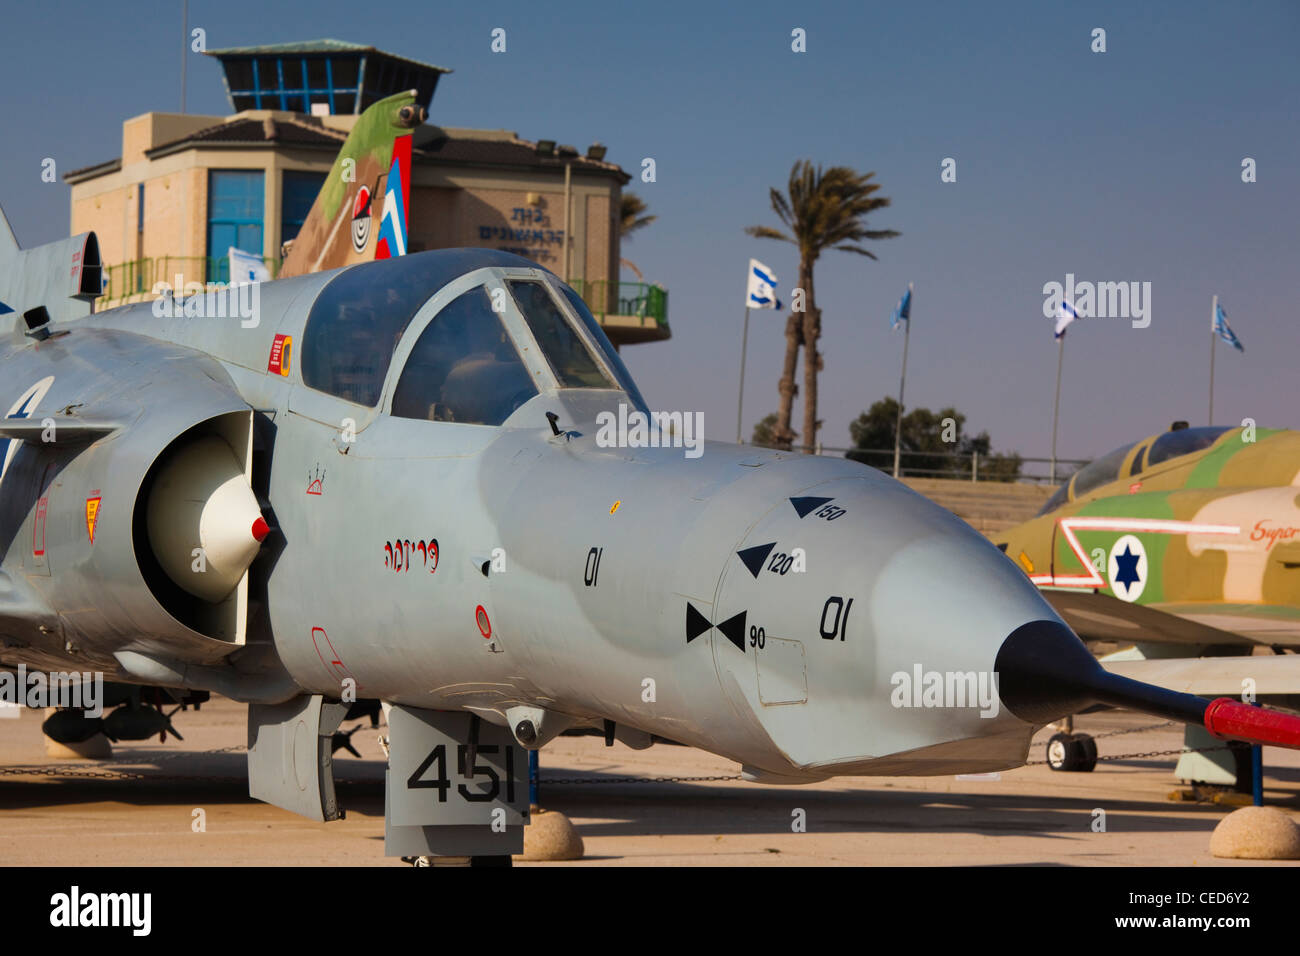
(1224, 330)
(904, 311)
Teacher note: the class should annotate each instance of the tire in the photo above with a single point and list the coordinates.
(1089, 747)
(1065, 753)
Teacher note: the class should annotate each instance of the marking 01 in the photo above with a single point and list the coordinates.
(591, 572)
(839, 625)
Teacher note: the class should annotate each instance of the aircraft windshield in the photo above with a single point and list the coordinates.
(612, 360)
(1182, 442)
(569, 357)
(1106, 469)
(464, 367)
(354, 326)
(1092, 475)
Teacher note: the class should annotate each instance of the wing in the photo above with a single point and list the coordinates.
(1276, 676)
(1102, 617)
(55, 429)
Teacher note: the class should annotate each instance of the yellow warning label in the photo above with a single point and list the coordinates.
(92, 515)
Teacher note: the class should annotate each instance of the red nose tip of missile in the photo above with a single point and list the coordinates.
(260, 528)
(1228, 719)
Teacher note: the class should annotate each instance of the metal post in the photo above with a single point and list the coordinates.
(1056, 407)
(185, 46)
(1214, 308)
(568, 218)
(534, 777)
(1257, 772)
(740, 402)
(902, 381)
(974, 466)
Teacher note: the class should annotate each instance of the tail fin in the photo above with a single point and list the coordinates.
(64, 277)
(369, 180)
(8, 244)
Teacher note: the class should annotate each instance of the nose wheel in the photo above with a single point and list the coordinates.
(1072, 753)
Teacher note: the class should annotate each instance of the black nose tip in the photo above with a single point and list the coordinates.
(1045, 672)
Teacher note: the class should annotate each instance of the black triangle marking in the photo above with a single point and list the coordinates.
(755, 556)
(696, 623)
(733, 629)
(805, 505)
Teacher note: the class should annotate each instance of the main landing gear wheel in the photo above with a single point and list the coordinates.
(1072, 753)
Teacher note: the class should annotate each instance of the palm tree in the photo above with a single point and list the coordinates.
(824, 209)
(632, 214)
(631, 218)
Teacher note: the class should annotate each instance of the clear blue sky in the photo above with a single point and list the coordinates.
(1116, 166)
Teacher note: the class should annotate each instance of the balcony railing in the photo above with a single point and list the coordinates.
(640, 299)
(139, 276)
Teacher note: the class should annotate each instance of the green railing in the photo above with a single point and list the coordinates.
(141, 275)
(641, 299)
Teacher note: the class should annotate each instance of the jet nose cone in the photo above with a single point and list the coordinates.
(1045, 672)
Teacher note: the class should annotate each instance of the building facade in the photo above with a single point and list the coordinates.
(186, 188)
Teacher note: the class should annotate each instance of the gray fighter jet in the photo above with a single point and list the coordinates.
(399, 482)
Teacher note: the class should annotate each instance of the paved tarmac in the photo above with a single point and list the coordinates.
(1029, 816)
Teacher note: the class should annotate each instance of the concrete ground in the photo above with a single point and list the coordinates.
(1028, 816)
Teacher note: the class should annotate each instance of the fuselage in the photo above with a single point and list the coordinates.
(804, 616)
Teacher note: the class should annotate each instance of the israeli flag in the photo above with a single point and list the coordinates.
(761, 293)
(903, 313)
(246, 267)
(1224, 330)
(1064, 316)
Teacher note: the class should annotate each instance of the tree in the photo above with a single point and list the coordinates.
(763, 437)
(632, 216)
(822, 209)
(930, 439)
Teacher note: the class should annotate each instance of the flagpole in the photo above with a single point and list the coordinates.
(1056, 406)
(740, 402)
(902, 382)
(1214, 315)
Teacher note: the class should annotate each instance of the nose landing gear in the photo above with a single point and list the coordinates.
(1072, 753)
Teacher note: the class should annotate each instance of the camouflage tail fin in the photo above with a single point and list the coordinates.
(341, 228)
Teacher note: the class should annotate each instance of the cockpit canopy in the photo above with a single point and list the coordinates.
(1103, 470)
(467, 360)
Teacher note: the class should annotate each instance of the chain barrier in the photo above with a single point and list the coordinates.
(1135, 730)
(71, 770)
(562, 781)
(67, 770)
(1143, 754)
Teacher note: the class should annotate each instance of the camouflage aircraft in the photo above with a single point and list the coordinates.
(1185, 545)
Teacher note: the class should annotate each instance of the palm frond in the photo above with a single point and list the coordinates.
(767, 232)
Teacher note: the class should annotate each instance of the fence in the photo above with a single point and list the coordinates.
(605, 297)
(139, 276)
(956, 465)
